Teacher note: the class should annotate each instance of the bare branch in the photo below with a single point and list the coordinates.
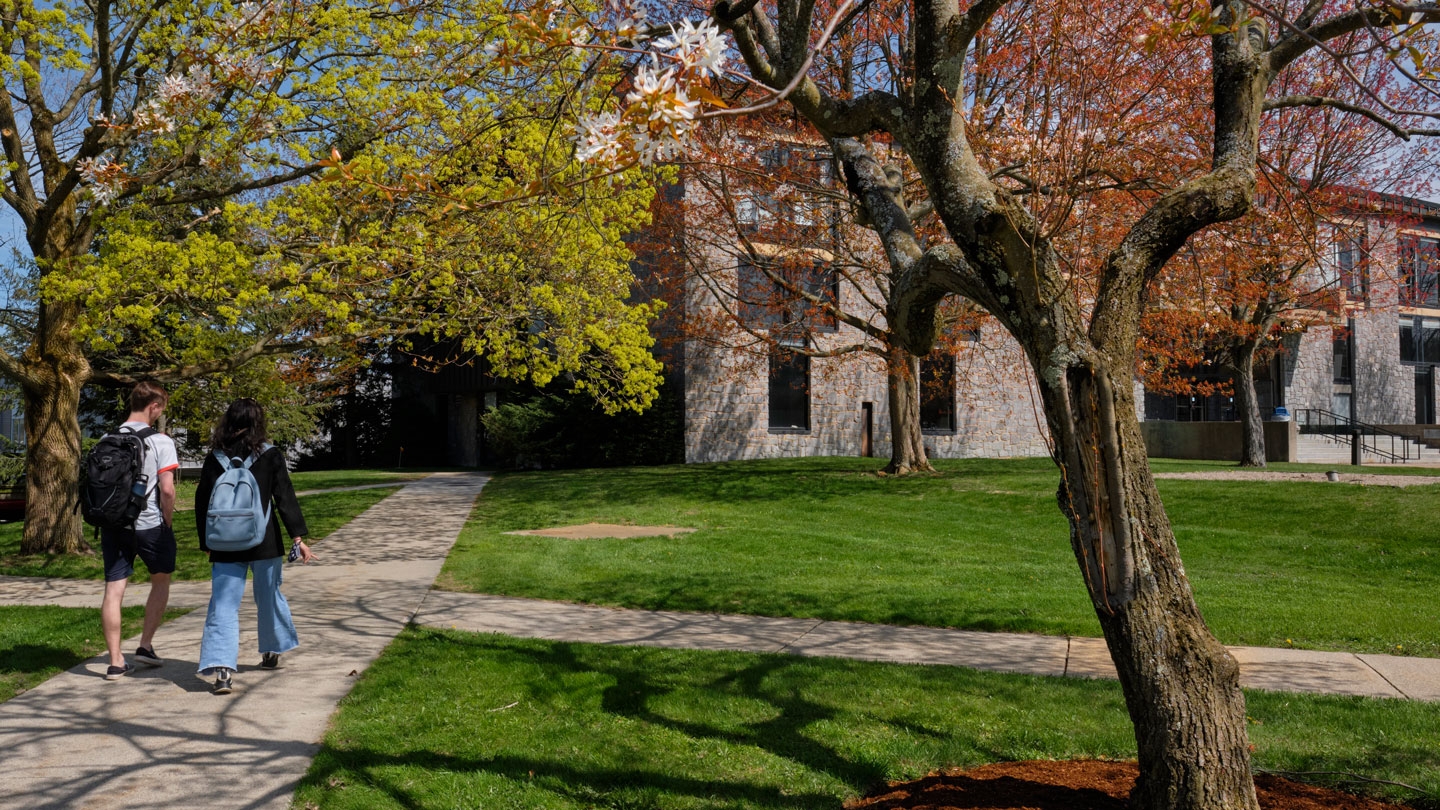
(1404, 133)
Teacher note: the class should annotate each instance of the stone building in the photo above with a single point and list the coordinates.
(1373, 363)
(766, 373)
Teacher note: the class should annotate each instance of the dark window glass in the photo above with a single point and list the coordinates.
(937, 393)
(789, 390)
(1430, 341)
(1343, 359)
(1407, 341)
(762, 302)
(767, 304)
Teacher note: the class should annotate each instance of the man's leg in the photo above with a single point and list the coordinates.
(117, 551)
(110, 620)
(155, 608)
(157, 548)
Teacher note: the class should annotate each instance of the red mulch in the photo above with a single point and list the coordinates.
(1074, 785)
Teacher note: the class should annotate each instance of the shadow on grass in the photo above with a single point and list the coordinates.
(644, 701)
(36, 658)
(632, 727)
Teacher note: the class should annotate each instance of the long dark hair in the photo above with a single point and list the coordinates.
(241, 430)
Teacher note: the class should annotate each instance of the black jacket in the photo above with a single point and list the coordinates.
(274, 481)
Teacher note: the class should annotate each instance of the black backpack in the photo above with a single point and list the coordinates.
(113, 486)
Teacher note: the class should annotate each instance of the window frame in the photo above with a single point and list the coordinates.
(929, 365)
(781, 356)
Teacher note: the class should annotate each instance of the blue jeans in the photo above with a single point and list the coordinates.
(220, 645)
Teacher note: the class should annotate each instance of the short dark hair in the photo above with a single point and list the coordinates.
(146, 393)
(241, 431)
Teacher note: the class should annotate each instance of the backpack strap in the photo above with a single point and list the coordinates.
(254, 457)
(142, 434)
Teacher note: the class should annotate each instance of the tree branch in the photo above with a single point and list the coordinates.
(263, 347)
(1403, 133)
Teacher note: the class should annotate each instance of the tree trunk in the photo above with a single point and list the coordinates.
(1181, 685)
(1252, 427)
(907, 443)
(57, 370)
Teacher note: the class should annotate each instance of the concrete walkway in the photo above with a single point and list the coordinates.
(158, 738)
(1286, 670)
(152, 738)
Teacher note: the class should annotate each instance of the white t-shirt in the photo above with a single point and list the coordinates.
(160, 457)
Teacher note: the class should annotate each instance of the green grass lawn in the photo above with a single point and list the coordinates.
(980, 546)
(38, 642)
(454, 720)
(324, 513)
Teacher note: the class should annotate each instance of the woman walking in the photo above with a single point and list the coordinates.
(241, 435)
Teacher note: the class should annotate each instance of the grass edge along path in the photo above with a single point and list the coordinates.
(452, 719)
(37, 642)
(324, 513)
(981, 546)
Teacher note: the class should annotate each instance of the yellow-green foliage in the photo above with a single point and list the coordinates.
(455, 212)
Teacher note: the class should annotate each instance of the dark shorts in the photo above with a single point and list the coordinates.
(155, 547)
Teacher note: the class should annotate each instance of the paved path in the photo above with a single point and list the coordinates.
(77, 741)
(1260, 667)
(156, 738)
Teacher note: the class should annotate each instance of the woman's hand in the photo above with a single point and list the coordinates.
(306, 555)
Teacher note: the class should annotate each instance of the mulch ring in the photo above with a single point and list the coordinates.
(1074, 785)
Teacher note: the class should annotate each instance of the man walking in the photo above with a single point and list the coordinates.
(152, 539)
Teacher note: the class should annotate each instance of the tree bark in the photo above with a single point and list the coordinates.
(57, 370)
(907, 442)
(1252, 427)
(1181, 685)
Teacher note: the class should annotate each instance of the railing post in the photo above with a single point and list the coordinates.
(1356, 451)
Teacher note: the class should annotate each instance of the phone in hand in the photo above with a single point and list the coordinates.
(294, 552)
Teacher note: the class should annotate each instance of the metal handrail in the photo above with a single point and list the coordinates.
(1318, 421)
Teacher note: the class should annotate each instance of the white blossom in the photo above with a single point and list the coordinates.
(650, 85)
(698, 46)
(242, 69)
(151, 117)
(102, 176)
(597, 138)
(193, 84)
(652, 149)
(674, 109)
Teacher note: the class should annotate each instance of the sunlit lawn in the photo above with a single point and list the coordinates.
(454, 720)
(981, 545)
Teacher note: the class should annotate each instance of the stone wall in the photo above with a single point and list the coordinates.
(1384, 388)
(1309, 371)
(727, 395)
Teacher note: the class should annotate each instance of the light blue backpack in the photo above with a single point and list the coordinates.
(237, 518)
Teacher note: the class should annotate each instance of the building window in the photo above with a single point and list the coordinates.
(937, 393)
(1350, 261)
(1344, 362)
(1419, 267)
(1420, 340)
(765, 303)
(789, 391)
